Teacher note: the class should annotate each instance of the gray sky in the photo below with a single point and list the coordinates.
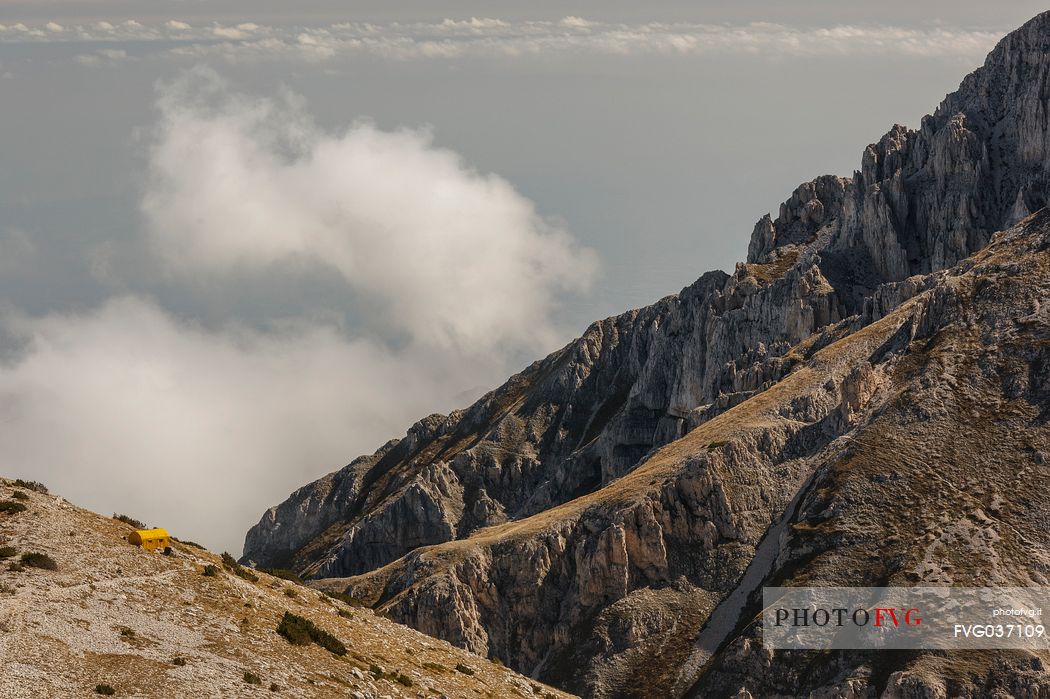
(239, 246)
(810, 12)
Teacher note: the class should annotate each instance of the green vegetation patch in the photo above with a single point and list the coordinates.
(237, 569)
(300, 631)
(11, 507)
(129, 520)
(36, 559)
(283, 574)
(31, 485)
(345, 598)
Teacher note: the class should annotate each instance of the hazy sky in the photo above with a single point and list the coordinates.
(240, 246)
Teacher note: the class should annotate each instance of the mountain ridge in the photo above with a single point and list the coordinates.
(718, 492)
(591, 420)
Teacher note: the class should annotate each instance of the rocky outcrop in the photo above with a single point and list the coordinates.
(925, 199)
(829, 477)
(953, 432)
(922, 201)
(602, 506)
(564, 427)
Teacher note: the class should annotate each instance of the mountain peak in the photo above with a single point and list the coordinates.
(599, 509)
(924, 199)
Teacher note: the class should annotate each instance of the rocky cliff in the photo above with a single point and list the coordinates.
(622, 500)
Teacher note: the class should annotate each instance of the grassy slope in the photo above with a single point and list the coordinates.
(114, 614)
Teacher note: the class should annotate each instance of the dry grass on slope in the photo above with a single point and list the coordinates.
(150, 625)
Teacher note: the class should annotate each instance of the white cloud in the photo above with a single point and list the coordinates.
(102, 56)
(229, 32)
(575, 22)
(128, 409)
(454, 257)
(474, 25)
(574, 35)
(489, 37)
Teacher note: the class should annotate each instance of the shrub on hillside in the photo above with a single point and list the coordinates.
(35, 559)
(31, 485)
(129, 520)
(11, 507)
(300, 632)
(345, 598)
(295, 629)
(283, 574)
(237, 569)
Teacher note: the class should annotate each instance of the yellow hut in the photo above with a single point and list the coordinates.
(150, 539)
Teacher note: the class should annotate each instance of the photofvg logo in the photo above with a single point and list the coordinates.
(841, 616)
(904, 617)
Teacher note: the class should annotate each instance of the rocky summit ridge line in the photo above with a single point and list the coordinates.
(863, 402)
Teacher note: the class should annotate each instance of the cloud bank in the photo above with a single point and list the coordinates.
(128, 407)
(487, 38)
(452, 257)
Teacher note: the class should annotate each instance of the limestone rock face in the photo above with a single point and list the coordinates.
(925, 199)
(622, 499)
(922, 201)
(852, 470)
